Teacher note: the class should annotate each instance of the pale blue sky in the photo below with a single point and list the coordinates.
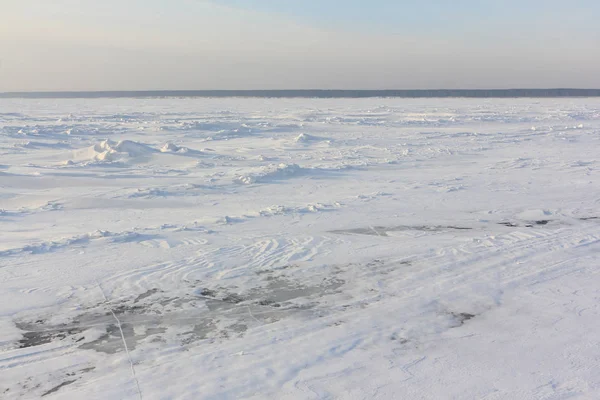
(252, 44)
(443, 16)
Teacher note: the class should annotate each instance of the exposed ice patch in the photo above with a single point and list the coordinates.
(535, 215)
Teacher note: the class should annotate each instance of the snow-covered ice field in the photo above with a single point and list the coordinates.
(300, 249)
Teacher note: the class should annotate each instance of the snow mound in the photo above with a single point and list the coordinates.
(173, 148)
(271, 173)
(110, 151)
(309, 208)
(303, 138)
(127, 147)
(306, 138)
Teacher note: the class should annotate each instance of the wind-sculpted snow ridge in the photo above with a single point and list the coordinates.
(213, 130)
(279, 210)
(239, 248)
(60, 130)
(84, 239)
(281, 172)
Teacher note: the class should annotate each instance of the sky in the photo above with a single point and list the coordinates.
(89, 45)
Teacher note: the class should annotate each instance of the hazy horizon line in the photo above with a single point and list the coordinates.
(308, 93)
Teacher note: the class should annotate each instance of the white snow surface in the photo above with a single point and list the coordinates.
(300, 249)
